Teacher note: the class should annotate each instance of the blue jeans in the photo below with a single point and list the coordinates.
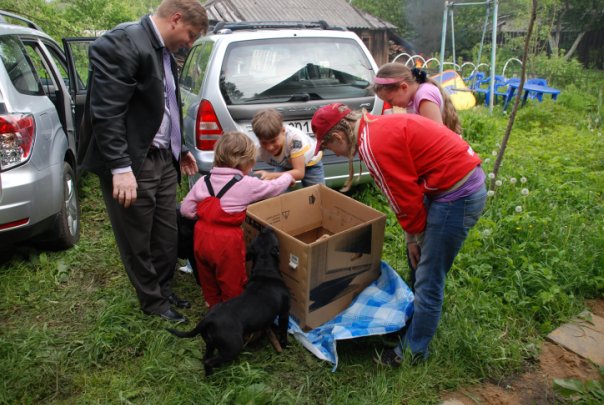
(312, 174)
(447, 227)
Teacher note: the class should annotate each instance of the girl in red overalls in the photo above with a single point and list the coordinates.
(219, 201)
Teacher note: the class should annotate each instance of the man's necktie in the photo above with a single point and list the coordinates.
(175, 137)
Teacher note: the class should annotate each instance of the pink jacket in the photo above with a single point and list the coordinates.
(245, 192)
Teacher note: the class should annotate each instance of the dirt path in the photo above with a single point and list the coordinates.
(536, 385)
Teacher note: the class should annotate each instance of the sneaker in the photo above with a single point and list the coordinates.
(388, 358)
(417, 358)
(186, 268)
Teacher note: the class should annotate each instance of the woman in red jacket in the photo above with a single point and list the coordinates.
(434, 184)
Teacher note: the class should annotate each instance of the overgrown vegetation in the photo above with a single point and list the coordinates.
(583, 393)
(72, 332)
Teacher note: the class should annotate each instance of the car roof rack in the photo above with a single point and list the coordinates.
(27, 22)
(223, 27)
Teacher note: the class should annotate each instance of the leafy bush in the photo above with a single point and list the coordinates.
(577, 99)
(557, 70)
(579, 392)
(478, 126)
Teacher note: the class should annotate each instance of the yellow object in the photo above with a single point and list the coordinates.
(454, 86)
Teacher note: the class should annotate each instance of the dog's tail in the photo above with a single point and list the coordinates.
(182, 334)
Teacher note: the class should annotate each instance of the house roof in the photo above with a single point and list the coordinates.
(334, 12)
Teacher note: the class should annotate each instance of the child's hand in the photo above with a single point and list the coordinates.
(261, 174)
(265, 175)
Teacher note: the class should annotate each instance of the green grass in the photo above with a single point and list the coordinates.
(72, 332)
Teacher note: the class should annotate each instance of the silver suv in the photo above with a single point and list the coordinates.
(295, 68)
(38, 195)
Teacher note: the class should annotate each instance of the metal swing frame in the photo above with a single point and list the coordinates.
(491, 5)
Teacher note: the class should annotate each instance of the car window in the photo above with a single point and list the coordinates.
(47, 80)
(77, 52)
(60, 62)
(294, 69)
(19, 66)
(194, 70)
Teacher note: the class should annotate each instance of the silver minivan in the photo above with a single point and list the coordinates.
(241, 68)
(38, 193)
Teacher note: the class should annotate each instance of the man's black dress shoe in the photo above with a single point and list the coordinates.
(180, 303)
(172, 315)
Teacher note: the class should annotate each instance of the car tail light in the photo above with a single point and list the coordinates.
(208, 127)
(387, 108)
(17, 133)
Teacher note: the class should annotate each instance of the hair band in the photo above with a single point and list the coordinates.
(386, 80)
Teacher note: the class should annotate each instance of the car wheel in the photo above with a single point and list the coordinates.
(66, 231)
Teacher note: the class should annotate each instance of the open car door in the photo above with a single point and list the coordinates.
(76, 53)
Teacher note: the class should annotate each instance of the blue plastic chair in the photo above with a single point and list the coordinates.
(539, 82)
(474, 80)
(500, 88)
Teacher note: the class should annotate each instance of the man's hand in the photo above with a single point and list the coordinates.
(188, 165)
(124, 188)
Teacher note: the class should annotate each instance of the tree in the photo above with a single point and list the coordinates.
(422, 21)
(98, 15)
(579, 16)
(392, 11)
(47, 15)
(63, 18)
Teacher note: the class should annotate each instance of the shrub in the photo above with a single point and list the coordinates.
(557, 70)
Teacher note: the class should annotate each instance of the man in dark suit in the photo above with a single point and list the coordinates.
(135, 145)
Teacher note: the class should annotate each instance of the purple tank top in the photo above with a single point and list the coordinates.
(472, 185)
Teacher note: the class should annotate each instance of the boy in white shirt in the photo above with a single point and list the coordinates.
(286, 148)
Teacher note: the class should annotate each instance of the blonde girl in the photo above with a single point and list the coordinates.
(434, 184)
(218, 201)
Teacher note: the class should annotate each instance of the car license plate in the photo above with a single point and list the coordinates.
(303, 125)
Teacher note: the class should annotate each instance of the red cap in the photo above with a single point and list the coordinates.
(325, 118)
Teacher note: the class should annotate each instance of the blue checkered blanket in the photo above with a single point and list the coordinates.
(383, 307)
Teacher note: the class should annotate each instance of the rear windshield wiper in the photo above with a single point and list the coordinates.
(287, 97)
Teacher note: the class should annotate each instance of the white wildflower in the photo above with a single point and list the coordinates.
(523, 180)
(486, 233)
(518, 209)
(513, 180)
(490, 193)
(487, 160)
(491, 175)
(524, 191)
(494, 153)
(498, 183)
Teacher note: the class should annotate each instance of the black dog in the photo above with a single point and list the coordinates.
(265, 297)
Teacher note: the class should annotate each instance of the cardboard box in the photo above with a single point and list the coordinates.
(330, 248)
